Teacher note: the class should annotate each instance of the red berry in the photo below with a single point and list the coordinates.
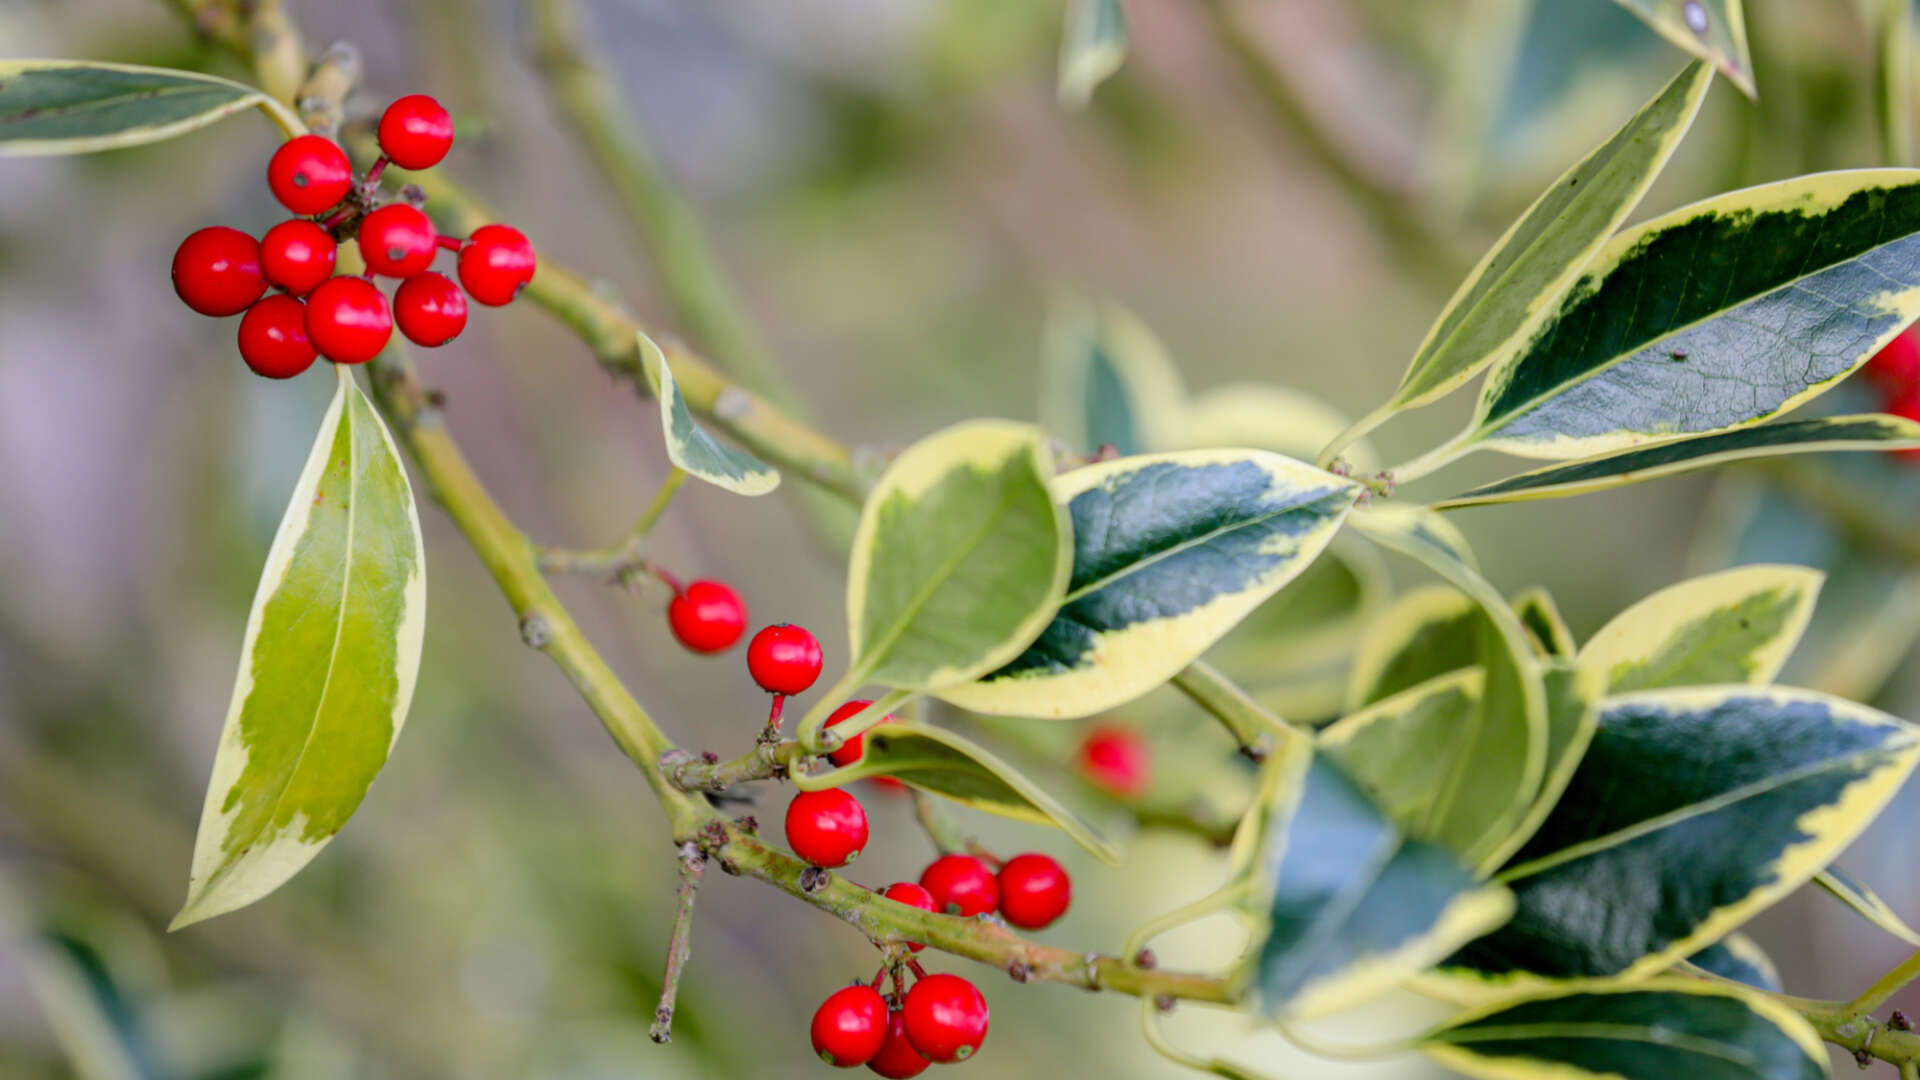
(897, 1059)
(1117, 760)
(348, 320)
(495, 263)
(216, 270)
(430, 309)
(945, 1018)
(707, 617)
(297, 255)
(849, 752)
(850, 1027)
(398, 240)
(961, 885)
(309, 174)
(784, 659)
(273, 338)
(906, 892)
(828, 828)
(1034, 891)
(415, 132)
(1896, 367)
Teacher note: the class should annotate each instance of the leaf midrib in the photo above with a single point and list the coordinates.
(119, 99)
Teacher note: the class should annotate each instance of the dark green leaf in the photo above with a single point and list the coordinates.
(1545, 628)
(1739, 958)
(74, 107)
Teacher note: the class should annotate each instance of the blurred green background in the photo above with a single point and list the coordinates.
(895, 191)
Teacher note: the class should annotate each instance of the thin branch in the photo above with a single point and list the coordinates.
(625, 558)
(699, 290)
(1255, 728)
(947, 838)
(766, 761)
(693, 865)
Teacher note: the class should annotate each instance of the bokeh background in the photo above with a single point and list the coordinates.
(1286, 195)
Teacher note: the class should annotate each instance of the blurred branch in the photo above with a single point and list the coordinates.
(1893, 78)
(697, 287)
(625, 558)
(693, 865)
(1409, 233)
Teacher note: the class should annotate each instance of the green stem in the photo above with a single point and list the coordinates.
(624, 557)
(766, 761)
(1886, 986)
(1354, 433)
(1255, 728)
(1156, 1038)
(946, 837)
(1893, 78)
(702, 298)
(693, 866)
(1437, 458)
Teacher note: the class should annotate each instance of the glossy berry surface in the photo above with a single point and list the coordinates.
(273, 338)
(297, 256)
(1117, 760)
(415, 132)
(398, 240)
(309, 174)
(827, 828)
(850, 1027)
(906, 892)
(495, 263)
(1896, 367)
(216, 270)
(961, 885)
(707, 617)
(348, 320)
(1034, 891)
(897, 1058)
(784, 659)
(849, 752)
(430, 309)
(945, 1018)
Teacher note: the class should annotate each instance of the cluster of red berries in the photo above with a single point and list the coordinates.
(1895, 372)
(221, 271)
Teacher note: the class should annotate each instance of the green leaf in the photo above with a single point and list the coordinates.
(1170, 552)
(688, 444)
(327, 669)
(1714, 317)
(1739, 958)
(1691, 811)
(1872, 431)
(1545, 628)
(1573, 714)
(1405, 749)
(1356, 907)
(1866, 903)
(1092, 48)
(1714, 30)
(1521, 280)
(75, 107)
(1105, 380)
(1660, 1030)
(1426, 631)
(936, 760)
(1313, 620)
(88, 1011)
(960, 559)
(1266, 417)
(1736, 626)
(1507, 738)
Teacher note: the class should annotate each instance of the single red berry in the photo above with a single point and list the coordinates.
(297, 255)
(946, 1018)
(849, 752)
(398, 240)
(850, 1027)
(348, 320)
(897, 1059)
(961, 885)
(1896, 367)
(784, 659)
(707, 617)
(1034, 891)
(495, 263)
(273, 338)
(216, 270)
(827, 828)
(1117, 760)
(430, 309)
(309, 174)
(1907, 406)
(906, 892)
(415, 132)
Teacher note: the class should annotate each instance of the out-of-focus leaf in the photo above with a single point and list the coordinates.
(1092, 48)
(327, 670)
(78, 107)
(1106, 380)
(1849, 891)
(1426, 631)
(1736, 626)
(1541, 617)
(1739, 958)
(1714, 30)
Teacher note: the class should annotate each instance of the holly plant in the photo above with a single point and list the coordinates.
(1561, 838)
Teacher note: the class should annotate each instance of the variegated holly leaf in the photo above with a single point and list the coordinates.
(688, 444)
(1714, 30)
(1106, 380)
(1661, 1030)
(1739, 958)
(1541, 616)
(1866, 903)
(1170, 552)
(1092, 48)
(327, 670)
(78, 107)
(1731, 627)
